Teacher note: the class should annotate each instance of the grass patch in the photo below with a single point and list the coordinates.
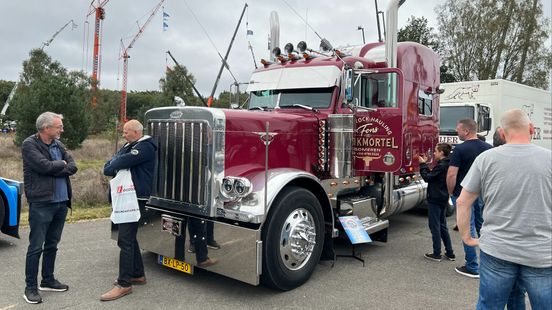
(80, 213)
(90, 164)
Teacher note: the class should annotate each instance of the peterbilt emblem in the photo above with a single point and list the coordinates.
(267, 138)
(176, 114)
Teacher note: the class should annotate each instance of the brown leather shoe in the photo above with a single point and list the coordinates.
(135, 281)
(208, 262)
(116, 292)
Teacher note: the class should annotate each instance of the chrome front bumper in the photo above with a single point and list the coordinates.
(240, 255)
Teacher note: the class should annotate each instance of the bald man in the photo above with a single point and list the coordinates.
(515, 181)
(138, 155)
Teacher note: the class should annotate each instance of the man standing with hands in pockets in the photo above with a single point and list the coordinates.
(138, 155)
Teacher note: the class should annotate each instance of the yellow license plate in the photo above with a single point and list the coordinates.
(175, 264)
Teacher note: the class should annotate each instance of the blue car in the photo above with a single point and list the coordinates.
(10, 206)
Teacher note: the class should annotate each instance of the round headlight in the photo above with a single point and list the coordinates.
(240, 187)
(228, 185)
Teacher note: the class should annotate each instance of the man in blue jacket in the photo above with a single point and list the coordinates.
(138, 155)
(46, 169)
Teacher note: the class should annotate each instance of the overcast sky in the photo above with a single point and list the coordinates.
(26, 24)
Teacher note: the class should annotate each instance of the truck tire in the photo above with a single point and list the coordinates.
(293, 238)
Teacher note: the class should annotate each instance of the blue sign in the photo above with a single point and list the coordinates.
(354, 229)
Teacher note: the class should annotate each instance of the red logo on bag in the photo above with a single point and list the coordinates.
(119, 189)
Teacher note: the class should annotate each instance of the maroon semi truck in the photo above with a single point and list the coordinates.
(321, 137)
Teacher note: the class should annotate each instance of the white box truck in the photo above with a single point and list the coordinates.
(486, 101)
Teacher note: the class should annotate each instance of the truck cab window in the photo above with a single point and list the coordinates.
(376, 90)
(425, 103)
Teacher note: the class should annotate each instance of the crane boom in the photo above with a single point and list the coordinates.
(44, 44)
(99, 12)
(125, 56)
(47, 43)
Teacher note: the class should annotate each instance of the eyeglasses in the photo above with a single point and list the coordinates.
(57, 127)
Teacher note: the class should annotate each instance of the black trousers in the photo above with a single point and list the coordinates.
(130, 257)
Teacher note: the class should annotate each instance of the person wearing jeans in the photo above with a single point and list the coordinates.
(461, 160)
(46, 170)
(437, 200)
(471, 268)
(516, 236)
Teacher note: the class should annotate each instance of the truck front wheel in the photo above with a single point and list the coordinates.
(293, 237)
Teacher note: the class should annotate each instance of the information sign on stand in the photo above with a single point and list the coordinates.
(354, 229)
(356, 233)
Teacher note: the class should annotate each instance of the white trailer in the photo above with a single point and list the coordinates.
(486, 101)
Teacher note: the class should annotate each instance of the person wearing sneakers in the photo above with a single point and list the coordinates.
(461, 160)
(516, 238)
(138, 155)
(437, 200)
(46, 170)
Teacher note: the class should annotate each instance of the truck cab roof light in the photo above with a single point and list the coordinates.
(302, 46)
(276, 52)
(289, 48)
(265, 62)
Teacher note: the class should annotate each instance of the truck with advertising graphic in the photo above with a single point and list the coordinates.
(10, 206)
(322, 136)
(486, 101)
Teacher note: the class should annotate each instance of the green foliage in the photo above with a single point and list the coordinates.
(178, 82)
(226, 98)
(417, 30)
(46, 86)
(488, 39)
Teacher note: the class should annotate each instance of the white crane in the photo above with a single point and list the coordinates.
(44, 44)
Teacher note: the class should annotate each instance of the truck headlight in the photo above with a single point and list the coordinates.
(234, 188)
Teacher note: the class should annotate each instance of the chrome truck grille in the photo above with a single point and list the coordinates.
(181, 180)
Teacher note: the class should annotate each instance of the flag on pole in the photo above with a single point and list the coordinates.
(165, 20)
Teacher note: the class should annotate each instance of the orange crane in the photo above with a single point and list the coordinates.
(99, 11)
(125, 57)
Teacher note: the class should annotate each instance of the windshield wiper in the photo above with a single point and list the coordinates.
(258, 108)
(306, 107)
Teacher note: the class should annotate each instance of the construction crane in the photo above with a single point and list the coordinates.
(47, 43)
(44, 44)
(99, 11)
(125, 57)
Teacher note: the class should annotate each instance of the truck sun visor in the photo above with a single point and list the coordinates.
(291, 78)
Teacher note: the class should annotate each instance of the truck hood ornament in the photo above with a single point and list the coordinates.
(267, 138)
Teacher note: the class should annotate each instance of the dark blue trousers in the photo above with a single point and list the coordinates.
(437, 221)
(130, 257)
(46, 221)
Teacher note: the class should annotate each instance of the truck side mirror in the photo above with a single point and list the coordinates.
(349, 85)
(487, 123)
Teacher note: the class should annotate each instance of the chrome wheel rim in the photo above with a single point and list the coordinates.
(297, 239)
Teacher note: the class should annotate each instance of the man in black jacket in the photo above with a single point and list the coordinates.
(437, 200)
(46, 170)
(138, 155)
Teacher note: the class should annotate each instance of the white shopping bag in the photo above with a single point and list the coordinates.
(123, 198)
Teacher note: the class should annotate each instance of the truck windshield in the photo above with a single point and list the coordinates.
(312, 97)
(451, 115)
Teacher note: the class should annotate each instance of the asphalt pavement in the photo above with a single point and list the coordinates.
(395, 276)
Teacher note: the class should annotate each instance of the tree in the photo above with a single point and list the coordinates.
(417, 30)
(46, 86)
(488, 39)
(176, 84)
